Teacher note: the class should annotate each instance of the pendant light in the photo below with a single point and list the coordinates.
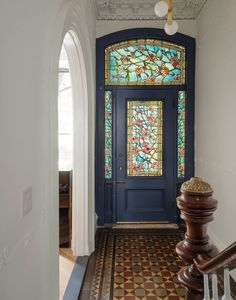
(163, 8)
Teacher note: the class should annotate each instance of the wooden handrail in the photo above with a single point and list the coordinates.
(225, 259)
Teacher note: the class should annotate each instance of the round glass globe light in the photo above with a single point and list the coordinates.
(161, 9)
(171, 29)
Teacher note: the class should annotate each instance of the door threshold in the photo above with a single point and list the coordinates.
(145, 225)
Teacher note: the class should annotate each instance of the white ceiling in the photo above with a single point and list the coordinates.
(143, 9)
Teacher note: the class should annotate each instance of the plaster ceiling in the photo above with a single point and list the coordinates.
(143, 9)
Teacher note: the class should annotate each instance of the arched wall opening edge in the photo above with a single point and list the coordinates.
(67, 20)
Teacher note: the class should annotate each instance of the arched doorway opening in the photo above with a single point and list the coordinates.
(80, 143)
(69, 30)
(73, 155)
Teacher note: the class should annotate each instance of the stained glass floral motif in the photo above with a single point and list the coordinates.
(144, 135)
(181, 133)
(108, 134)
(145, 62)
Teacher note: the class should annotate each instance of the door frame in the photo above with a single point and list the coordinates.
(105, 192)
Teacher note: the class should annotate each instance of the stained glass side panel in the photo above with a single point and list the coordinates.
(108, 135)
(144, 138)
(181, 133)
(145, 62)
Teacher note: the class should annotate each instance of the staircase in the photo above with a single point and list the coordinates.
(205, 265)
(212, 268)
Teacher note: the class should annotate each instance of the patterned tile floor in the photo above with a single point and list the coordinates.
(136, 264)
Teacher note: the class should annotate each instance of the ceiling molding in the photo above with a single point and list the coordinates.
(144, 10)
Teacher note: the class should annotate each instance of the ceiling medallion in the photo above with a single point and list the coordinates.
(197, 186)
(163, 8)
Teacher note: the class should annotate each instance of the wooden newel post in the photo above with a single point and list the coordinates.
(197, 206)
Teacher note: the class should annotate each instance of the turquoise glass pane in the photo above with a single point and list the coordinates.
(145, 62)
(108, 135)
(181, 133)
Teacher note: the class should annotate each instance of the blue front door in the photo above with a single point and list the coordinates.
(145, 155)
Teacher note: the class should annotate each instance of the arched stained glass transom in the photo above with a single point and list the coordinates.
(145, 62)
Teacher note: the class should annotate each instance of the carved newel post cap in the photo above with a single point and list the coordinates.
(196, 186)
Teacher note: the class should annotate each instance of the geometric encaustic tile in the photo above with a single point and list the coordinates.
(137, 264)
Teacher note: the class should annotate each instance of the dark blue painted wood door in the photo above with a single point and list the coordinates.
(120, 197)
(144, 196)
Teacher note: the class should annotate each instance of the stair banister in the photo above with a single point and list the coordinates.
(225, 260)
(197, 206)
(203, 260)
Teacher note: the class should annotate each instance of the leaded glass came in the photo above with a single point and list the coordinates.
(145, 62)
(181, 133)
(144, 135)
(108, 134)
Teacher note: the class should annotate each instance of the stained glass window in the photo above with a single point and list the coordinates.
(181, 133)
(108, 134)
(144, 135)
(145, 62)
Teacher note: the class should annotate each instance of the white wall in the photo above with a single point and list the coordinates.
(31, 32)
(215, 112)
(187, 27)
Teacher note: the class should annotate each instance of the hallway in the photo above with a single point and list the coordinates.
(154, 105)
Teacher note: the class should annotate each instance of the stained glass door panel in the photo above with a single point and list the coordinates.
(144, 138)
(145, 146)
